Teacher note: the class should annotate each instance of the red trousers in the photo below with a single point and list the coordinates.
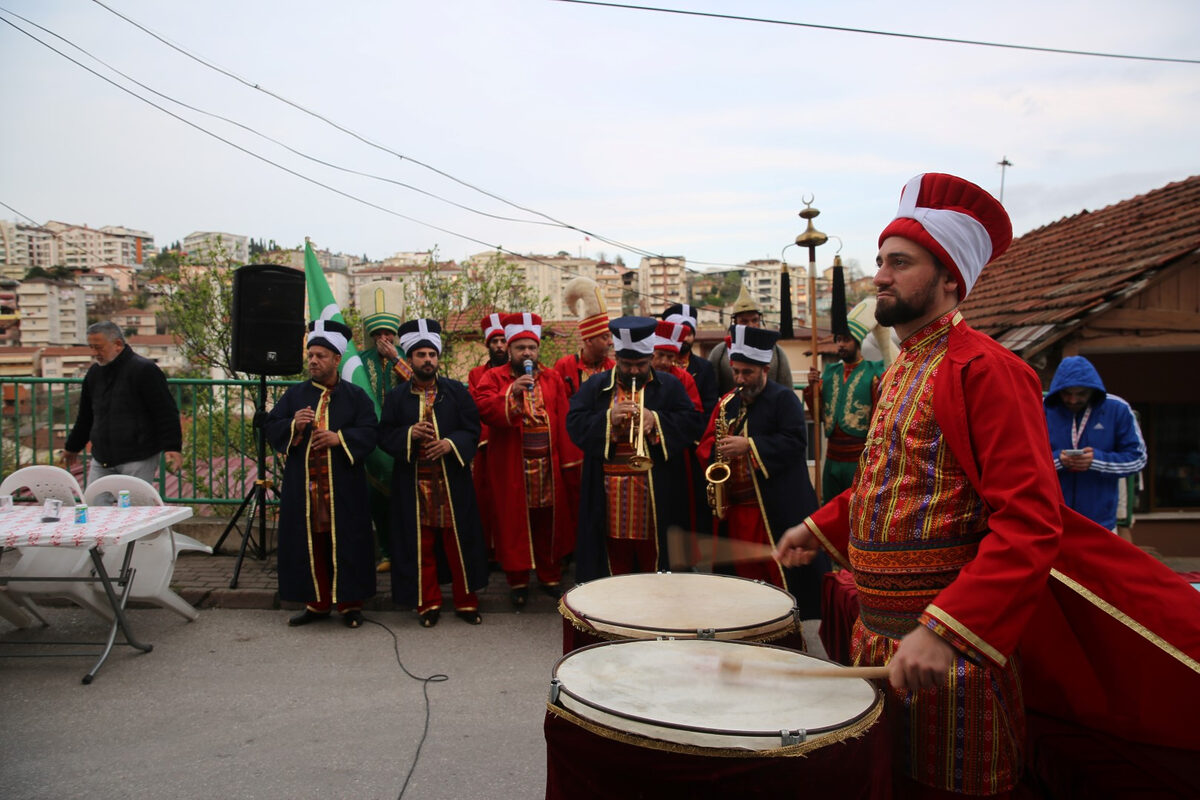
(431, 591)
(547, 568)
(322, 563)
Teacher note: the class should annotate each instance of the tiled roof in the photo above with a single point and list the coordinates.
(1055, 276)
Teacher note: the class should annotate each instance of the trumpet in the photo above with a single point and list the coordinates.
(640, 460)
(718, 472)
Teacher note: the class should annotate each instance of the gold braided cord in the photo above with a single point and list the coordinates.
(1127, 621)
(855, 730)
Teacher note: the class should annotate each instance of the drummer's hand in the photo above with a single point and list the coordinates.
(922, 661)
(797, 547)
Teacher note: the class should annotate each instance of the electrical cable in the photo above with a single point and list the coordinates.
(893, 34)
(437, 677)
(373, 144)
(347, 195)
(301, 175)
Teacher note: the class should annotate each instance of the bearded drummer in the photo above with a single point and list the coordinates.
(764, 443)
(954, 524)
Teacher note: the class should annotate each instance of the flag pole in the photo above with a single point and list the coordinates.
(812, 239)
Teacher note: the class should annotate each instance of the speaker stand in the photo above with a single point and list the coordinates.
(256, 498)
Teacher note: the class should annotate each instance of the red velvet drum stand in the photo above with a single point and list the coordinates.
(671, 719)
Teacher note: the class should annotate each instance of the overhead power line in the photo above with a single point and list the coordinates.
(302, 176)
(383, 148)
(893, 34)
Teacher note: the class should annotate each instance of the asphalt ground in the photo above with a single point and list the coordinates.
(238, 704)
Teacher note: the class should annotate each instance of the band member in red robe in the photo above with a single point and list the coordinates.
(668, 341)
(497, 355)
(582, 295)
(430, 426)
(326, 427)
(525, 407)
(962, 551)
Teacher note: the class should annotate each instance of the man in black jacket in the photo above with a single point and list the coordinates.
(126, 411)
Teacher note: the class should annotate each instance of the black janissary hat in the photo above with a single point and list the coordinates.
(329, 333)
(633, 337)
(752, 345)
(421, 333)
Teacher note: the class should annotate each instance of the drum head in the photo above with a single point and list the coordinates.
(677, 691)
(679, 604)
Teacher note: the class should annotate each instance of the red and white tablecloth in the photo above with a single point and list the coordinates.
(106, 526)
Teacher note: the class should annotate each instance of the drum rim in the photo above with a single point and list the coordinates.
(592, 619)
(565, 690)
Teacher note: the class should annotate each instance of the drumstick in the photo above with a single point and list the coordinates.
(712, 551)
(731, 667)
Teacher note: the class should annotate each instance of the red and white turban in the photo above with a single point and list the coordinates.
(960, 223)
(522, 326)
(492, 326)
(669, 336)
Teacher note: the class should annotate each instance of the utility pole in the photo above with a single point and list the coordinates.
(1004, 164)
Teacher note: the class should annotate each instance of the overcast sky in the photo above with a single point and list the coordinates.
(673, 134)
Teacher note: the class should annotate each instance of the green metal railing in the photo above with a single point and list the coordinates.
(219, 450)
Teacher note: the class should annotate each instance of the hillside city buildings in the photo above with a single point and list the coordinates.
(82, 274)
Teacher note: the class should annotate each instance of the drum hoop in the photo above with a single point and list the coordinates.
(826, 732)
(581, 621)
(854, 730)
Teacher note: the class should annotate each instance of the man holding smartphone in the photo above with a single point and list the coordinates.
(1094, 439)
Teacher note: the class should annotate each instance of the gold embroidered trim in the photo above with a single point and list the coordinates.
(1127, 621)
(757, 458)
(855, 730)
(825, 543)
(966, 633)
(580, 624)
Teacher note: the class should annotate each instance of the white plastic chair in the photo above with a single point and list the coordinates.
(153, 555)
(45, 482)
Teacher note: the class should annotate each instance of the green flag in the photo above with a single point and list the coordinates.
(322, 305)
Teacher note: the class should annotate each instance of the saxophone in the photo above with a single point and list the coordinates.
(718, 472)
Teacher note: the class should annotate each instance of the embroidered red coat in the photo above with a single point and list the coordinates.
(1108, 636)
(513, 540)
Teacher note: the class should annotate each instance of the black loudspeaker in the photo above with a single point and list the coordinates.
(268, 320)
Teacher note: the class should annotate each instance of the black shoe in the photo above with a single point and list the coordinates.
(551, 590)
(430, 617)
(469, 617)
(519, 597)
(306, 616)
(352, 618)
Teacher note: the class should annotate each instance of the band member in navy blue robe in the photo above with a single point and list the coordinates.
(625, 514)
(768, 490)
(430, 426)
(326, 428)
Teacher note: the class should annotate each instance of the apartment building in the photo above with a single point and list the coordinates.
(19, 361)
(163, 350)
(96, 287)
(141, 321)
(409, 276)
(661, 282)
(65, 362)
(53, 313)
(216, 246)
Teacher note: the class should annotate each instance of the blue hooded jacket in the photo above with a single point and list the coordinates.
(1108, 427)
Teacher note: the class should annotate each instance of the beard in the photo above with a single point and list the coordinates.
(891, 310)
(425, 373)
(497, 358)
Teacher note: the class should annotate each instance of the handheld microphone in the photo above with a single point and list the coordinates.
(528, 367)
